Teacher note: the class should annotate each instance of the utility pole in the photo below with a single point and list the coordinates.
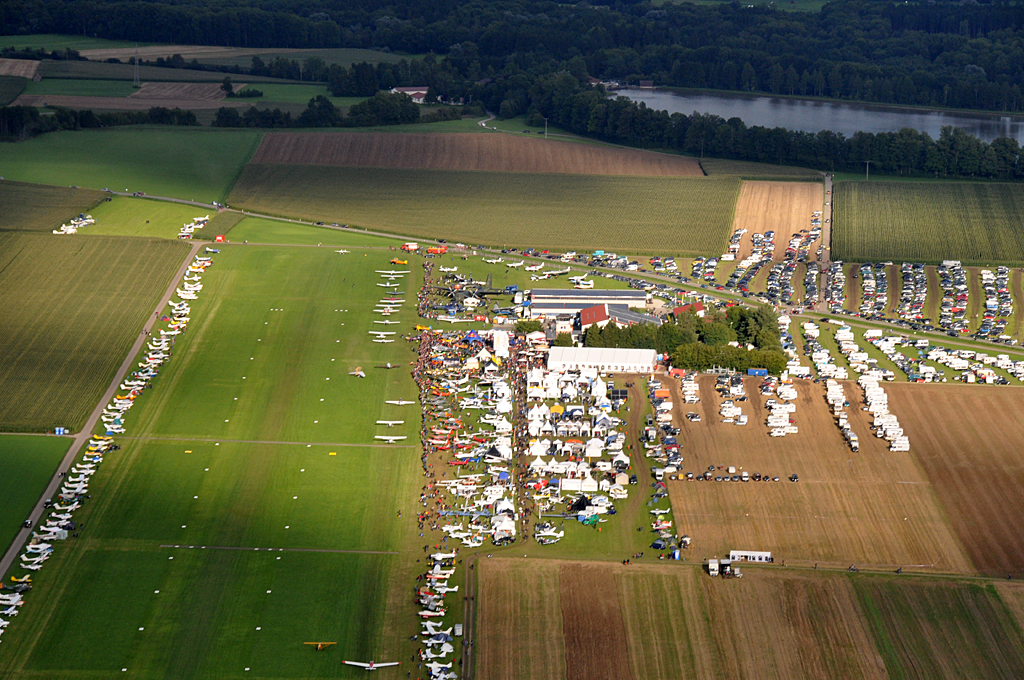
(867, 170)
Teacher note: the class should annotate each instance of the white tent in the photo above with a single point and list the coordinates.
(599, 388)
(500, 340)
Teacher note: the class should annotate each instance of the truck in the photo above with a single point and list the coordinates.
(410, 247)
(437, 250)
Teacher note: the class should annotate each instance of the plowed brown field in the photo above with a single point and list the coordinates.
(784, 207)
(182, 91)
(872, 508)
(467, 151)
(122, 103)
(595, 636)
(23, 68)
(968, 440)
(519, 621)
(681, 623)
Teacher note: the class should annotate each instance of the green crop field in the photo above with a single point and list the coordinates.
(631, 214)
(70, 307)
(27, 463)
(274, 93)
(190, 163)
(81, 88)
(10, 88)
(343, 56)
(719, 166)
(973, 222)
(36, 207)
(933, 630)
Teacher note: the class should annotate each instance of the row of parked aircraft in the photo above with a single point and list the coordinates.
(187, 230)
(76, 223)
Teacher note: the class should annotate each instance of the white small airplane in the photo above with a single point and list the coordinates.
(449, 269)
(382, 341)
(435, 667)
(389, 440)
(535, 267)
(388, 285)
(446, 589)
(516, 264)
(373, 665)
(343, 252)
(392, 423)
(660, 511)
(391, 271)
(380, 334)
(400, 402)
(358, 374)
(386, 322)
(434, 627)
(10, 611)
(444, 650)
(437, 557)
(586, 284)
(494, 261)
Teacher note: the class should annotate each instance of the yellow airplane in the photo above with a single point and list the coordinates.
(24, 579)
(397, 261)
(320, 646)
(423, 328)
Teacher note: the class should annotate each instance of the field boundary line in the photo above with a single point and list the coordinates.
(86, 432)
(312, 550)
(257, 441)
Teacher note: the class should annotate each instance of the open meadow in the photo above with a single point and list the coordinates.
(189, 163)
(270, 231)
(757, 171)
(36, 207)
(494, 153)
(28, 463)
(128, 216)
(631, 214)
(874, 508)
(928, 221)
(70, 307)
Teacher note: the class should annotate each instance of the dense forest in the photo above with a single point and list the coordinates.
(964, 54)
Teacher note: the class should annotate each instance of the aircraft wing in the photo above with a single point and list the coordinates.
(389, 663)
(358, 663)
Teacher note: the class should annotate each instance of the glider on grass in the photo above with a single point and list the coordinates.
(373, 665)
(400, 402)
(343, 252)
(389, 440)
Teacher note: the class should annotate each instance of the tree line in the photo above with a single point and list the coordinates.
(941, 53)
(20, 122)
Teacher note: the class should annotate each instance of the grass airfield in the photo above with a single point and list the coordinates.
(204, 467)
(27, 463)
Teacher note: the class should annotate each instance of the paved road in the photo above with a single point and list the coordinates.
(86, 432)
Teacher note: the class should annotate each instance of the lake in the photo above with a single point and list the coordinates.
(811, 115)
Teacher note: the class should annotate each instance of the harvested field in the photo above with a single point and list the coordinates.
(872, 508)
(182, 91)
(38, 207)
(467, 151)
(682, 623)
(941, 630)
(23, 68)
(519, 600)
(592, 623)
(967, 439)
(628, 214)
(749, 169)
(129, 103)
(783, 207)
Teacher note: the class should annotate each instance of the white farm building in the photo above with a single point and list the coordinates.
(602, 359)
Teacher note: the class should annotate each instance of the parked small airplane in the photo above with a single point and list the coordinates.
(382, 341)
(373, 665)
(494, 261)
(343, 252)
(586, 285)
(380, 334)
(320, 646)
(358, 372)
(390, 423)
(400, 402)
(386, 322)
(535, 267)
(516, 264)
(389, 440)
(388, 365)
(449, 269)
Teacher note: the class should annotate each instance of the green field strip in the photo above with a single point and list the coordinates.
(1016, 322)
(854, 289)
(41, 208)
(126, 216)
(81, 88)
(629, 214)
(276, 231)
(274, 443)
(189, 163)
(28, 463)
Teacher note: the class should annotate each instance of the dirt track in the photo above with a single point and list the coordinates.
(23, 68)
(595, 635)
(466, 151)
(873, 508)
(968, 438)
(784, 207)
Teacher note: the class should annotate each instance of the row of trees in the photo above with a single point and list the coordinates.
(19, 122)
(383, 108)
(938, 53)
